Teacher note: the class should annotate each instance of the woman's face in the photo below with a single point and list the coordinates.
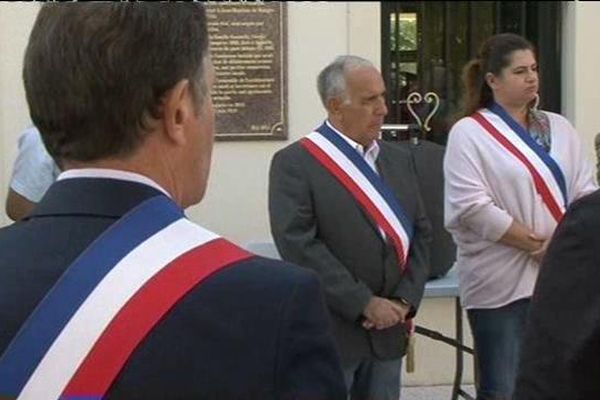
(517, 84)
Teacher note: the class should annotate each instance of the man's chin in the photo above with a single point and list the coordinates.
(374, 133)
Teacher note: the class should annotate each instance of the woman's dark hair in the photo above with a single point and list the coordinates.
(493, 56)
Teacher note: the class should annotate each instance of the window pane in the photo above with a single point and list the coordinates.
(408, 31)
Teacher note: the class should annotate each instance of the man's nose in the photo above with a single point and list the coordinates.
(382, 107)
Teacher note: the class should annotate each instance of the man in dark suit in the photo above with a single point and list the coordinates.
(342, 203)
(121, 95)
(562, 340)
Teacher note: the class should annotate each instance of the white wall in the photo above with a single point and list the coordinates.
(16, 20)
(581, 63)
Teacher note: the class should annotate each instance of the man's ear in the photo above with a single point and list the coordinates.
(334, 105)
(178, 108)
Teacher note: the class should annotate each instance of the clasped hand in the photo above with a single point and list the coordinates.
(382, 313)
(541, 246)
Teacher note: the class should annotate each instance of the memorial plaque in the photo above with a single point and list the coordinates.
(248, 47)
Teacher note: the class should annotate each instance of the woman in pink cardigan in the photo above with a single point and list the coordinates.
(510, 173)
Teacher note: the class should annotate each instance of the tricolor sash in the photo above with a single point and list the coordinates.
(545, 172)
(367, 188)
(81, 334)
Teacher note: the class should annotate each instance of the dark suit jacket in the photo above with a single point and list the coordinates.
(256, 330)
(317, 224)
(561, 350)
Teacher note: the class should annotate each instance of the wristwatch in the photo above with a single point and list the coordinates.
(404, 301)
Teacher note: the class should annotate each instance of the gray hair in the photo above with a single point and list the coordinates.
(331, 82)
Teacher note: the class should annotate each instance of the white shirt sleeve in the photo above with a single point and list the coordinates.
(34, 170)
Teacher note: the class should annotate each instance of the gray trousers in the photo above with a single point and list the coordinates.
(372, 379)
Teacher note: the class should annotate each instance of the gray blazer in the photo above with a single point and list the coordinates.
(316, 223)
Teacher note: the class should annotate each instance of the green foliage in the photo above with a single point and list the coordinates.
(407, 38)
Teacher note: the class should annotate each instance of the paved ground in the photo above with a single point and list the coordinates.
(432, 392)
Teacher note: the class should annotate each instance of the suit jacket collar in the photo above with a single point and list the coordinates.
(383, 163)
(92, 197)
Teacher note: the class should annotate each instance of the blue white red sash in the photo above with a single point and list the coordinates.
(546, 174)
(367, 188)
(79, 337)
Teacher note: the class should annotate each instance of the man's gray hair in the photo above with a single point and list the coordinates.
(331, 82)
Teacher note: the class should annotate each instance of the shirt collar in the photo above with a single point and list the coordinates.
(108, 173)
(372, 150)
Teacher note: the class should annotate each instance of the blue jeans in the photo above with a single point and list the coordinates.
(498, 333)
(371, 379)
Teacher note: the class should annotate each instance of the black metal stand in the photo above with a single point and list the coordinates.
(460, 349)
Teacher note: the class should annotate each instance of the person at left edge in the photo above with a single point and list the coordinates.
(33, 173)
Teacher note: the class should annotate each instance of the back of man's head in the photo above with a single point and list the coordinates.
(95, 74)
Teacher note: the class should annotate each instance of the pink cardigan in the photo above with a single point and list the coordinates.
(485, 189)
